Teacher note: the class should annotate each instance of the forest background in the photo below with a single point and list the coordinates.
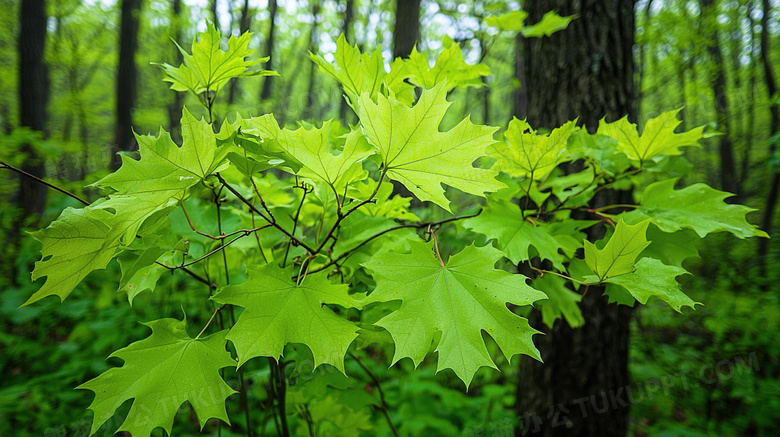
(76, 78)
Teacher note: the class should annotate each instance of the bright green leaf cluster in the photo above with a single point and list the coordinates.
(323, 253)
(208, 68)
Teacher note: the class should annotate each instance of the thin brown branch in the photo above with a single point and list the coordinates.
(41, 181)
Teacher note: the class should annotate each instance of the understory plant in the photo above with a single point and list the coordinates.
(298, 242)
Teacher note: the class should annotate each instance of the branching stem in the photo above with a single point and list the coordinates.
(271, 222)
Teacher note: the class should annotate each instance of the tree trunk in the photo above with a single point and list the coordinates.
(265, 94)
(311, 101)
(751, 99)
(407, 27)
(728, 170)
(586, 71)
(214, 13)
(243, 27)
(520, 94)
(642, 67)
(33, 96)
(349, 15)
(126, 80)
(174, 108)
(774, 129)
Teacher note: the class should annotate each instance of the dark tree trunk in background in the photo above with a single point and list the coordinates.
(174, 108)
(406, 35)
(728, 169)
(586, 71)
(349, 15)
(126, 80)
(774, 129)
(265, 94)
(407, 27)
(33, 96)
(214, 13)
(520, 94)
(311, 101)
(243, 27)
(642, 65)
(750, 120)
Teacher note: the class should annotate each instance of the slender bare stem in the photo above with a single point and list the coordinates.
(41, 181)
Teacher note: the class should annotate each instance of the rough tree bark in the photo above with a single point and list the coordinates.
(728, 169)
(586, 71)
(126, 80)
(266, 90)
(407, 27)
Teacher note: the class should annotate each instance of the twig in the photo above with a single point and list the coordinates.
(209, 322)
(383, 408)
(394, 228)
(295, 220)
(542, 272)
(343, 216)
(41, 181)
(436, 245)
(187, 216)
(222, 247)
(271, 222)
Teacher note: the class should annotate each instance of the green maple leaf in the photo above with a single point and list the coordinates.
(278, 312)
(550, 23)
(460, 299)
(512, 21)
(144, 279)
(387, 205)
(449, 67)
(416, 154)
(653, 278)
(397, 85)
(357, 72)
(209, 67)
(618, 256)
(165, 170)
(139, 271)
(658, 136)
(502, 222)
(160, 373)
(671, 248)
(313, 148)
(561, 302)
(73, 246)
(81, 241)
(528, 154)
(136, 258)
(698, 207)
